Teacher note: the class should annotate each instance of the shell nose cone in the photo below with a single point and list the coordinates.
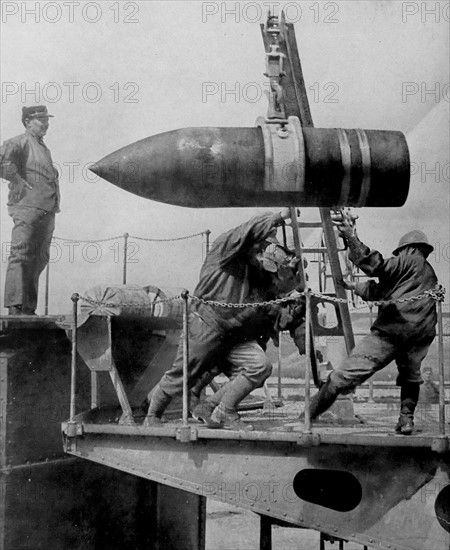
(126, 167)
(193, 167)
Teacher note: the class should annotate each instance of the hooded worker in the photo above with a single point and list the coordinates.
(279, 266)
(231, 274)
(402, 331)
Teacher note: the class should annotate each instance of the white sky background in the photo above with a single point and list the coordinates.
(364, 52)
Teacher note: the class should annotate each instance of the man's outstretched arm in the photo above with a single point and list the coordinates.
(370, 261)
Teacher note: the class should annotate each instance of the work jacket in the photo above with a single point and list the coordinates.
(231, 275)
(26, 157)
(399, 277)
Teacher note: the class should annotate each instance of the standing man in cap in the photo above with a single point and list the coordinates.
(402, 331)
(33, 200)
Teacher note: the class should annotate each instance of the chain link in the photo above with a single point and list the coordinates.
(129, 236)
(241, 306)
(437, 294)
(88, 240)
(168, 240)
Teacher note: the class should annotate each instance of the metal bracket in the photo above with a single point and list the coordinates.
(126, 420)
(74, 428)
(186, 434)
(306, 439)
(440, 444)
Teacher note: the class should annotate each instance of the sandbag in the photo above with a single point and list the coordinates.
(131, 301)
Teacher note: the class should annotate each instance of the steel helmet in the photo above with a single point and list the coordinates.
(411, 238)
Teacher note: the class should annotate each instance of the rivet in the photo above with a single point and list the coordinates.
(284, 515)
(252, 504)
(317, 524)
(245, 473)
(335, 530)
(268, 508)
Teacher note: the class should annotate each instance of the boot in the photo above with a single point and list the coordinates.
(322, 400)
(158, 404)
(226, 412)
(203, 411)
(143, 408)
(409, 395)
(15, 310)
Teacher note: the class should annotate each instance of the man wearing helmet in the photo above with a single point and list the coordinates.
(402, 331)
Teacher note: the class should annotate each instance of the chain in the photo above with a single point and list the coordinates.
(242, 306)
(437, 294)
(88, 240)
(129, 236)
(168, 240)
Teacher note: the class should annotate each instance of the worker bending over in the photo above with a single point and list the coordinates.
(232, 274)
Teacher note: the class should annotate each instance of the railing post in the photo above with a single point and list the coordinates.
(47, 282)
(73, 378)
(185, 296)
(94, 390)
(125, 257)
(441, 369)
(280, 358)
(371, 380)
(207, 233)
(308, 361)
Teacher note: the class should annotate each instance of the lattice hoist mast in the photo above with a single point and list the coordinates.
(288, 98)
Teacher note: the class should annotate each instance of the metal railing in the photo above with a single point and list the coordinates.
(125, 237)
(437, 295)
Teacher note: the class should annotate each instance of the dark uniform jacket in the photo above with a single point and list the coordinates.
(227, 276)
(403, 276)
(26, 157)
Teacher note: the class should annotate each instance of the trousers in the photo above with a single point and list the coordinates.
(208, 348)
(29, 255)
(374, 352)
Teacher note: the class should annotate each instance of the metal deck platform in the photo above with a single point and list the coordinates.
(356, 481)
(373, 425)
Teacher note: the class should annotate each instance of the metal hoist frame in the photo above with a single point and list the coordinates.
(283, 68)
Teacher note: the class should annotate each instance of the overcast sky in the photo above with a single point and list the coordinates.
(116, 72)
